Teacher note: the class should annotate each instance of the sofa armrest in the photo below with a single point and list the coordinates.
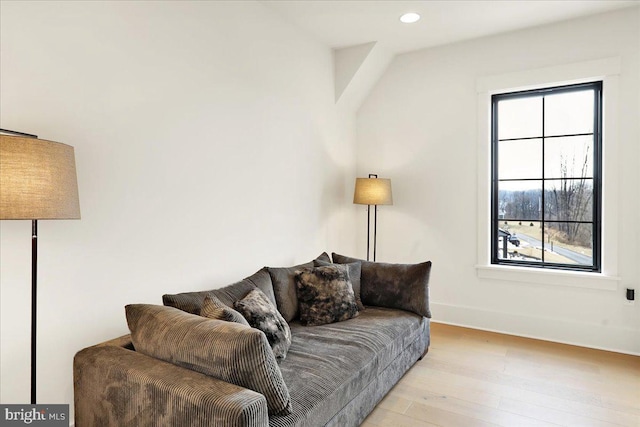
(116, 386)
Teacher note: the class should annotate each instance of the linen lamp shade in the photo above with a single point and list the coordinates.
(373, 191)
(37, 179)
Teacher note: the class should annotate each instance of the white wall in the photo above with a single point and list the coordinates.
(207, 145)
(419, 128)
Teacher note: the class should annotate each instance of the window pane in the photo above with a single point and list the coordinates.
(519, 200)
(523, 240)
(520, 159)
(568, 113)
(520, 118)
(567, 243)
(546, 173)
(568, 200)
(570, 157)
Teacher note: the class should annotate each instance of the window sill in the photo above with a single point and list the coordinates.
(548, 277)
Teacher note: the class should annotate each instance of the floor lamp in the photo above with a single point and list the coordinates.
(372, 191)
(37, 181)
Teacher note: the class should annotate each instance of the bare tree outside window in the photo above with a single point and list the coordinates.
(571, 204)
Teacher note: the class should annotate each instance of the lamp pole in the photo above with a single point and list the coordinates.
(34, 305)
(375, 224)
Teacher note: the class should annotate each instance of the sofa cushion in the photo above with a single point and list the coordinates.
(191, 302)
(225, 350)
(355, 270)
(263, 315)
(403, 286)
(284, 287)
(213, 308)
(329, 365)
(325, 295)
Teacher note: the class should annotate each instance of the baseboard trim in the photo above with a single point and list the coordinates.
(553, 330)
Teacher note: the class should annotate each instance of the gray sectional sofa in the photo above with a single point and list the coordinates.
(181, 372)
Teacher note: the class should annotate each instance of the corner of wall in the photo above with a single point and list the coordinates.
(357, 69)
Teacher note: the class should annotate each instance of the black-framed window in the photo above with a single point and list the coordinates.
(546, 177)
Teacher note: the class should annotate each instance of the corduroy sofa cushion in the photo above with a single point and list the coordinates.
(213, 308)
(228, 351)
(403, 286)
(329, 365)
(191, 302)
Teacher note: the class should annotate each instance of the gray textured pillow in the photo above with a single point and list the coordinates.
(191, 302)
(403, 286)
(355, 270)
(225, 350)
(284, 287)
(213, 308)
(325, 295)
(263, 315)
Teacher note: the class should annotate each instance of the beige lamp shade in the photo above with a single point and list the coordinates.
(37, 179)
(373, 191)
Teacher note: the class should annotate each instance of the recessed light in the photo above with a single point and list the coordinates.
(409, 18)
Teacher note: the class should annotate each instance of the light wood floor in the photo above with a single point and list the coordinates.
(473, 378)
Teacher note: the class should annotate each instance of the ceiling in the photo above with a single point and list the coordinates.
(342, 23)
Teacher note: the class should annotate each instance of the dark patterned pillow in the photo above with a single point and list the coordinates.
(355, 270)
(213, 308)
(325, 295)
(284, 287)
(263, 315)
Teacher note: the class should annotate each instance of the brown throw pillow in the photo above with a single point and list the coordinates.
(224, 350)
(403, 286)
(213, 308)
(191, 302)
(263, 315)
(284, 287)
(355, 270)
(325, 295)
